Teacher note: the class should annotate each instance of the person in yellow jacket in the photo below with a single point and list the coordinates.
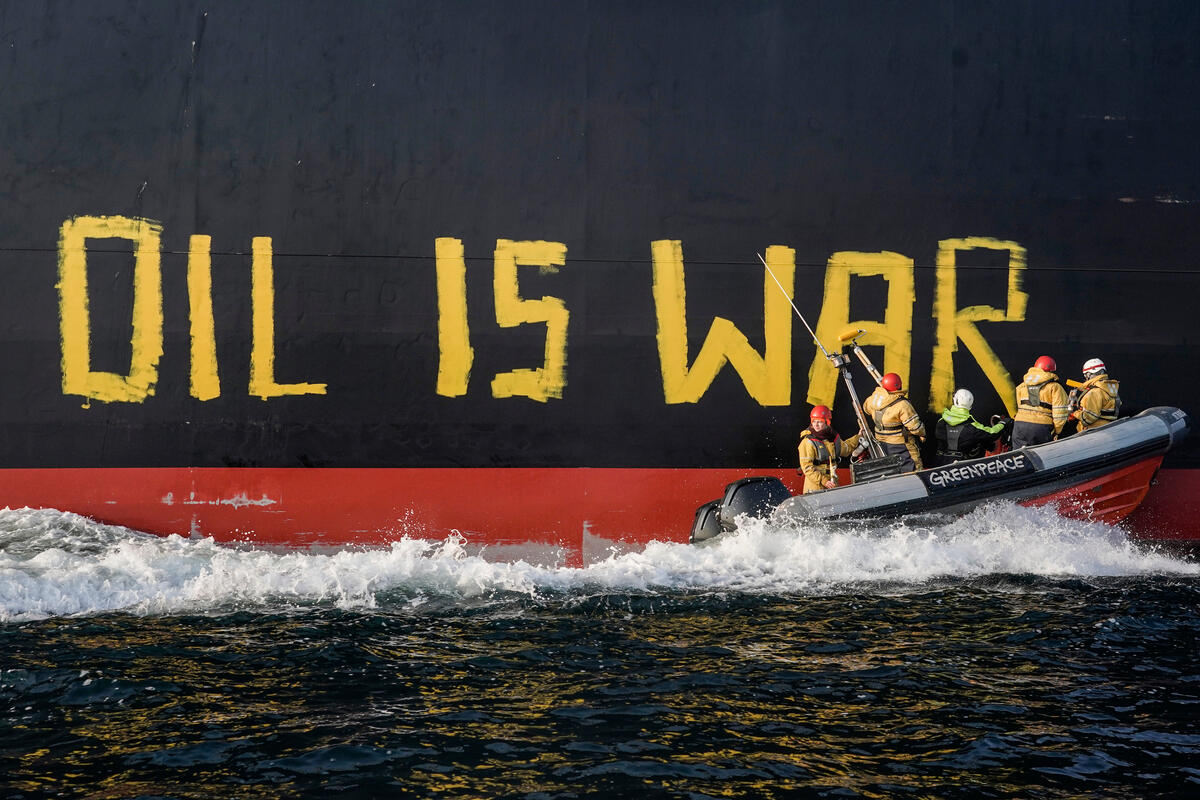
(1098, 400)
(820, 449)
(1042, 406)
(897, 425)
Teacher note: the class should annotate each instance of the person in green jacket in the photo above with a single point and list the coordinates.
(960, 436)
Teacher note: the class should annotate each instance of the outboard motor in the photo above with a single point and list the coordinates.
(755, 497)
(706, 525)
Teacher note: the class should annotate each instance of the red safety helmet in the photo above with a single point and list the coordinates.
(821, 412)
(891, 382)
(1046, 364)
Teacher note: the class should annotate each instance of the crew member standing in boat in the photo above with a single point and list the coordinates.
(820, 449)
(959, 435)
(897, 425)
(1098, 402)
(1042, 406)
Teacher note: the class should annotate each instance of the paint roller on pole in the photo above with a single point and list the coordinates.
(851, 335)
(840, 362)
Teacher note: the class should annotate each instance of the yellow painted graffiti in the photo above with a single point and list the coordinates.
(205, 382)
(768, 378)
(893, 334)
(548, 380)
(959, 324)
(455, 354)
(262, 351)
(78, 378)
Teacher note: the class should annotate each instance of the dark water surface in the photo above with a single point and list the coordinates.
(899, 662)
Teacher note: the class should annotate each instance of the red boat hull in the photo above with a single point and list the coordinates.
(1109, 499)
(578, 512)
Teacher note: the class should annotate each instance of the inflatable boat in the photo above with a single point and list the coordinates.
(1102, 474)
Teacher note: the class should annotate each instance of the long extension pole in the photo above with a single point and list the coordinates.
(792, 303)
(840, 362)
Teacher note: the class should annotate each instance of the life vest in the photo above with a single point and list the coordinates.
(1110, 403)
(1112, 413)
(882, 428)
(893, 416)
(819, 457)
(1041, 400)
(1034, 402)
(953, 434)
(961, 436)
(826, 449)
(1035, 398)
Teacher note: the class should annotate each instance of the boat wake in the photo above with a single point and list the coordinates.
(60, 564)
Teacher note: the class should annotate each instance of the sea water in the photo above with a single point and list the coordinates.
(1008, 653)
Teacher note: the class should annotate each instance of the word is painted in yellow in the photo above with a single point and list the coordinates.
(455, 354)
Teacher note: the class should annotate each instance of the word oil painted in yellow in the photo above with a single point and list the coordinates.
(78, 378)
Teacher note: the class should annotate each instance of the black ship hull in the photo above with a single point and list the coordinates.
(519, 243)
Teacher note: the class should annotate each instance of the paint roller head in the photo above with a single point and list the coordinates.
(850, 334)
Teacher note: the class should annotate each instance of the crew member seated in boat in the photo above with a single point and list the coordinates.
(959, 435)
(1042, 406)
(897, 425)
(1097, 402)
(820, 449)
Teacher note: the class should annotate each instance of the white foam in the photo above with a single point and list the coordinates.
(55, 564)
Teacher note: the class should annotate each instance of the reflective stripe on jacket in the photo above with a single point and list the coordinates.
(1042, 400)
(1099, 402)
(894, 417)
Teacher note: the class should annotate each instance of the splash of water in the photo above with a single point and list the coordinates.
(56, 564)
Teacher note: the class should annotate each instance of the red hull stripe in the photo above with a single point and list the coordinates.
(551, 507)
(305, 506)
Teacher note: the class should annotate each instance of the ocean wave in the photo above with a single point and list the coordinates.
(60, 564)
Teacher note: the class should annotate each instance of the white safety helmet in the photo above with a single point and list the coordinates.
(1093, 367)
(964, 399)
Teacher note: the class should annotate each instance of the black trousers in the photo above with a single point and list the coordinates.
(1027, 433)
(908, 465)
